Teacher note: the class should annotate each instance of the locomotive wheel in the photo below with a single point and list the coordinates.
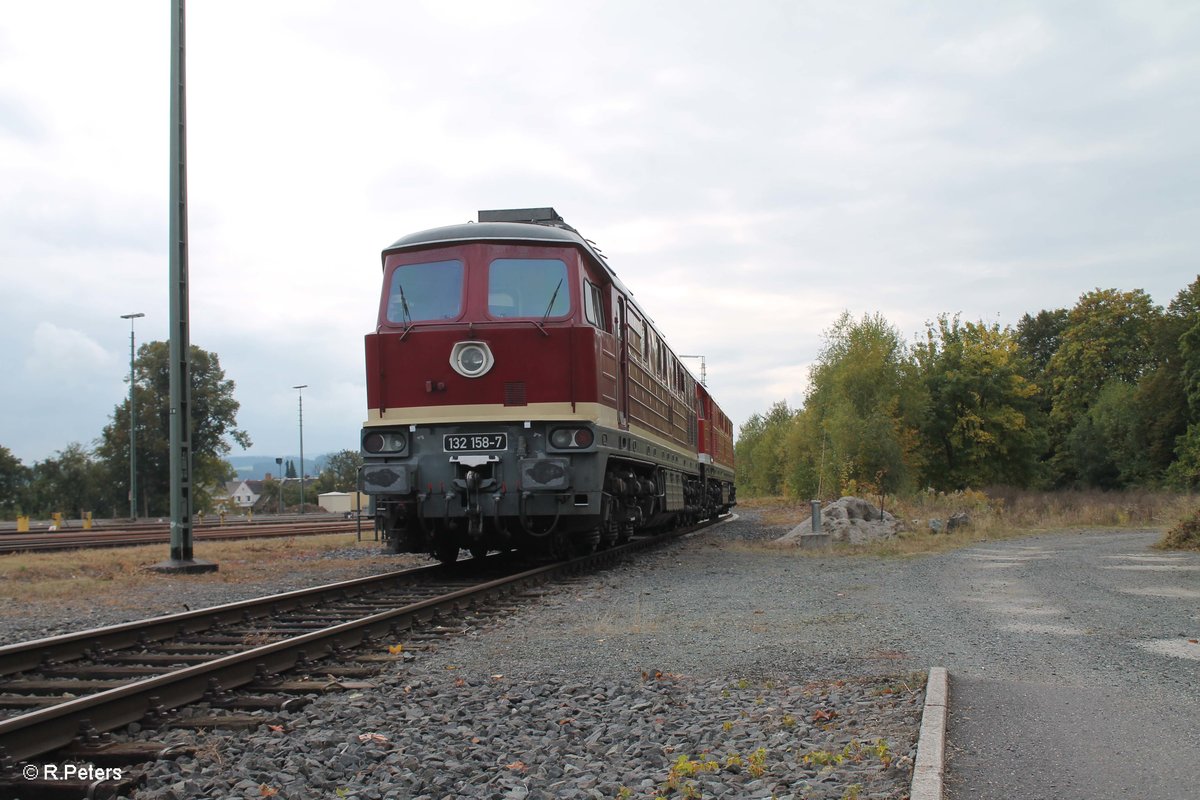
(445, 552)
(609, 529)
(586, 542)
(559, 546)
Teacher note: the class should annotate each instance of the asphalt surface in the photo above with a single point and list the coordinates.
(1074, 667)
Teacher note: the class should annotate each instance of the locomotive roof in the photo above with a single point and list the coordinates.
(489, 231)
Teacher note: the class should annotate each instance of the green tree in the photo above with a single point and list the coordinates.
(14, 483)
(982, 424)
(1109, 337)
(71, 481)
(214, 419)
(1038, 338)
(858, 425)
(342, 471)
(759, 451)
(1177, 382)
(290, 472)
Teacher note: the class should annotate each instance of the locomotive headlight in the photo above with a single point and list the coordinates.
(385, 442)
(564, 438)
(471, 359)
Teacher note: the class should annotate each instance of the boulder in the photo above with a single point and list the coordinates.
(849, 520)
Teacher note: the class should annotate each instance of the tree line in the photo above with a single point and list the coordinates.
(1105, 394)
(95, 478)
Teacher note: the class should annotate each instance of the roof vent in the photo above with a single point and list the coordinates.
(538, 216)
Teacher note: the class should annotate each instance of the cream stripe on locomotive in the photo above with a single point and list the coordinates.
(604, 417)
(493, 412)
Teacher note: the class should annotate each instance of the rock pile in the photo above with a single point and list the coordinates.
(849, 519)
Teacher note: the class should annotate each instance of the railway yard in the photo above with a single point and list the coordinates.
(131, 535)
(708, 666)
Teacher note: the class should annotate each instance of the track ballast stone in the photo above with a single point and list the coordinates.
(702, 669)
(447, 735)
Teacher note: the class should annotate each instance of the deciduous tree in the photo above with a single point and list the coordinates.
(14, 483)
(1109, 337)
(71, 482)
(983, 423)
(214, 421)
(860, 413)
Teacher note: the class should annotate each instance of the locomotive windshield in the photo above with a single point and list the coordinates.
(430, 291)
(528, 287)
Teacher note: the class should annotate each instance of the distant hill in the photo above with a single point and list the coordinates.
(254, 468)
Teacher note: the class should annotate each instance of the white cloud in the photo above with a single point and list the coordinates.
(998, 47)
(63, 356)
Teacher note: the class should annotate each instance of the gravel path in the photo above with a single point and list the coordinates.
(709, 668)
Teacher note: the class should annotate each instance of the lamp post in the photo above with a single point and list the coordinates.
(703, 374)
(279, 462)
(132, 422)
(300, 389)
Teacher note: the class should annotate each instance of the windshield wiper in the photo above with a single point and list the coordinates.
(404, 307)
(550, 305)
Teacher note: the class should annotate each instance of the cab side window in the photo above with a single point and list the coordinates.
(593, 305)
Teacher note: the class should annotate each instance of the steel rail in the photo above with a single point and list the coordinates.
(43, 731)
(78, 540)
(31, 654)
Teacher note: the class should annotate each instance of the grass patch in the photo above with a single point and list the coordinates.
(108, 575)
(998, 513)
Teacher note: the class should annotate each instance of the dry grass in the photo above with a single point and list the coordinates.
(998, 514)
(1185, 535)
(108, 574)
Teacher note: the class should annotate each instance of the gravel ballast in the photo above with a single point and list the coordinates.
(707, 668)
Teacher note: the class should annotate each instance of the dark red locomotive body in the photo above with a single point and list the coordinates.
(517, 396)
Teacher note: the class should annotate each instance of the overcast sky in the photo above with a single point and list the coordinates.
(751, 170)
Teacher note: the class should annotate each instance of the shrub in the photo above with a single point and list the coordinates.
(1185, 535)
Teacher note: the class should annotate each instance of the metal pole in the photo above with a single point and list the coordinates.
(180, 353)
(279, 462)
(703, 370)
(132, 422)
(301, 389)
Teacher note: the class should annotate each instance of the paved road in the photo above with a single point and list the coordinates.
(1075, 671)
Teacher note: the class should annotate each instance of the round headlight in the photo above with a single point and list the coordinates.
(379, 442)
(571, 437)
(471, 359)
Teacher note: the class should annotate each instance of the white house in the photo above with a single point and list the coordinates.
(245, 494)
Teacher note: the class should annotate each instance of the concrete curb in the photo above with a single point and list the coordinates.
(931, 744)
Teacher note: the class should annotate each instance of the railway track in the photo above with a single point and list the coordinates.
(81, 539)
(63, 692)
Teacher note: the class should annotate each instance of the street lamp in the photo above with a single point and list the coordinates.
(703, 374)
(300, 389)
(132, 423)
(279, 461)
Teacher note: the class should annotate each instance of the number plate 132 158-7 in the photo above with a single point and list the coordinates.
(466, 442)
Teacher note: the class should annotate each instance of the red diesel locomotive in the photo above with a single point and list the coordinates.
(518, 397)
